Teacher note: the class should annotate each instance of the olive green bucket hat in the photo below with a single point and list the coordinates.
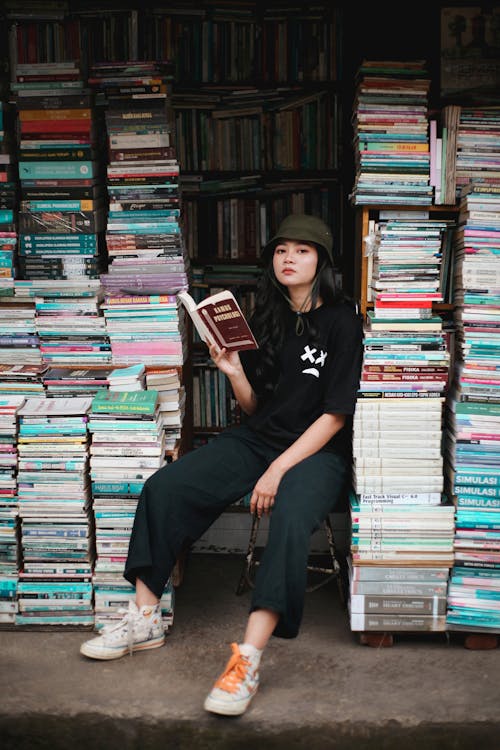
(303, 227)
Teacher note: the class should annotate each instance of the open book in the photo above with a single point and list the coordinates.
(219, 319)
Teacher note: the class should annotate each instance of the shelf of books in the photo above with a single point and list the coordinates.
(424, 546)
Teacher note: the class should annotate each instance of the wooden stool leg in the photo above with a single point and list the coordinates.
(246, 581)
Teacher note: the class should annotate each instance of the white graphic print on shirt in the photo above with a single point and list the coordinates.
(310, 356)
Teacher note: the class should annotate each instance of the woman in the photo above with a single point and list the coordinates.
(292, 453)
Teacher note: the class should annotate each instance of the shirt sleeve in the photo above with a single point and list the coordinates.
(345, 355)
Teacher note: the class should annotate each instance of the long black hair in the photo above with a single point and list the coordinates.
(272, 307)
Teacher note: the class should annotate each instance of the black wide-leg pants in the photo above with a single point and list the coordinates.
(182, 500)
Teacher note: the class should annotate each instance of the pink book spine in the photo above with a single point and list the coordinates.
(146, 349)
(432, 144)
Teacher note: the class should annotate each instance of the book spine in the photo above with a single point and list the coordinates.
(142, 154)
(35, 206)
(54, 170)
(86, 222)
(399, 498)
(421, 605)
(396, 623)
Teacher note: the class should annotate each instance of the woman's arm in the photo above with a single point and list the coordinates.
(311, 441)
(230, 364)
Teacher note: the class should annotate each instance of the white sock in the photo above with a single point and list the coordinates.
(253, 654)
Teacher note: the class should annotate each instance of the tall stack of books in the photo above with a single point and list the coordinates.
(144, 238)
(9, 517)
(62, 211)
(391, 139)
(127, 447)
(143, 232)
(8, 200)
(401, 519)
(62, 214)
(473, 424)
(54, 499)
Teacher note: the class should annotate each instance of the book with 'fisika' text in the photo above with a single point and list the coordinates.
(219, 319)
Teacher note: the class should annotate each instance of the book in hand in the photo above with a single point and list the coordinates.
(219, 320)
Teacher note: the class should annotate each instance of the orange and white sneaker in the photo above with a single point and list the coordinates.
(236, 686)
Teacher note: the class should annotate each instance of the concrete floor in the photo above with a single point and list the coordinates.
(321, 690)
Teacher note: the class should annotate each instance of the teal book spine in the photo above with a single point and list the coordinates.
(57, 170)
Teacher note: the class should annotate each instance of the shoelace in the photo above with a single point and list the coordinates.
(235, 671)
(126, 619)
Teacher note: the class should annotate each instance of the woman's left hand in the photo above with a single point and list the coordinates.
(228, 362)
(264, 492)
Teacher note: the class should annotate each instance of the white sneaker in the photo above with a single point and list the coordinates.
(139, 630)
(235, 688)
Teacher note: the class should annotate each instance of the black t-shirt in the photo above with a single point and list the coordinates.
(313, 379)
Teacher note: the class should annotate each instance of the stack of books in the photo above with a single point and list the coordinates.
(19, 339)
(148, 263)
(69, 322)
(54, 499)
(23, 380)
(75, 382)
(127, 447)
(145, 328)
(473, 416)
(391, 139)
(400, 516)
(8, 200)
(131, 378)
(62, 211)
(477, 147)
(9, 407)
(409, 254)
(407, 538)
(397, 599)
(62, 214)
(143, 233)
(168, 382)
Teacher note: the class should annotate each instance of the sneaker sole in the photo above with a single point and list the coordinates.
(231, 708)
(85, 650)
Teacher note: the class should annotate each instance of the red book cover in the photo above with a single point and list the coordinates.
(56, 126)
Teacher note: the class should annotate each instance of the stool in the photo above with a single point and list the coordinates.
(330, 572)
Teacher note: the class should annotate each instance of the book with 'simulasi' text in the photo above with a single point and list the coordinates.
(219, 319)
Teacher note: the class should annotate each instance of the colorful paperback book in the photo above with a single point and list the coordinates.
(125, 402)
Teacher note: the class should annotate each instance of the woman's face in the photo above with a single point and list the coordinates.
(295, 264)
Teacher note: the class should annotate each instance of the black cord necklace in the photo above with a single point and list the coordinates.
(299, 320)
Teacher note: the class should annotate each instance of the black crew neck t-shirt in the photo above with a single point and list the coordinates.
(314, 377)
